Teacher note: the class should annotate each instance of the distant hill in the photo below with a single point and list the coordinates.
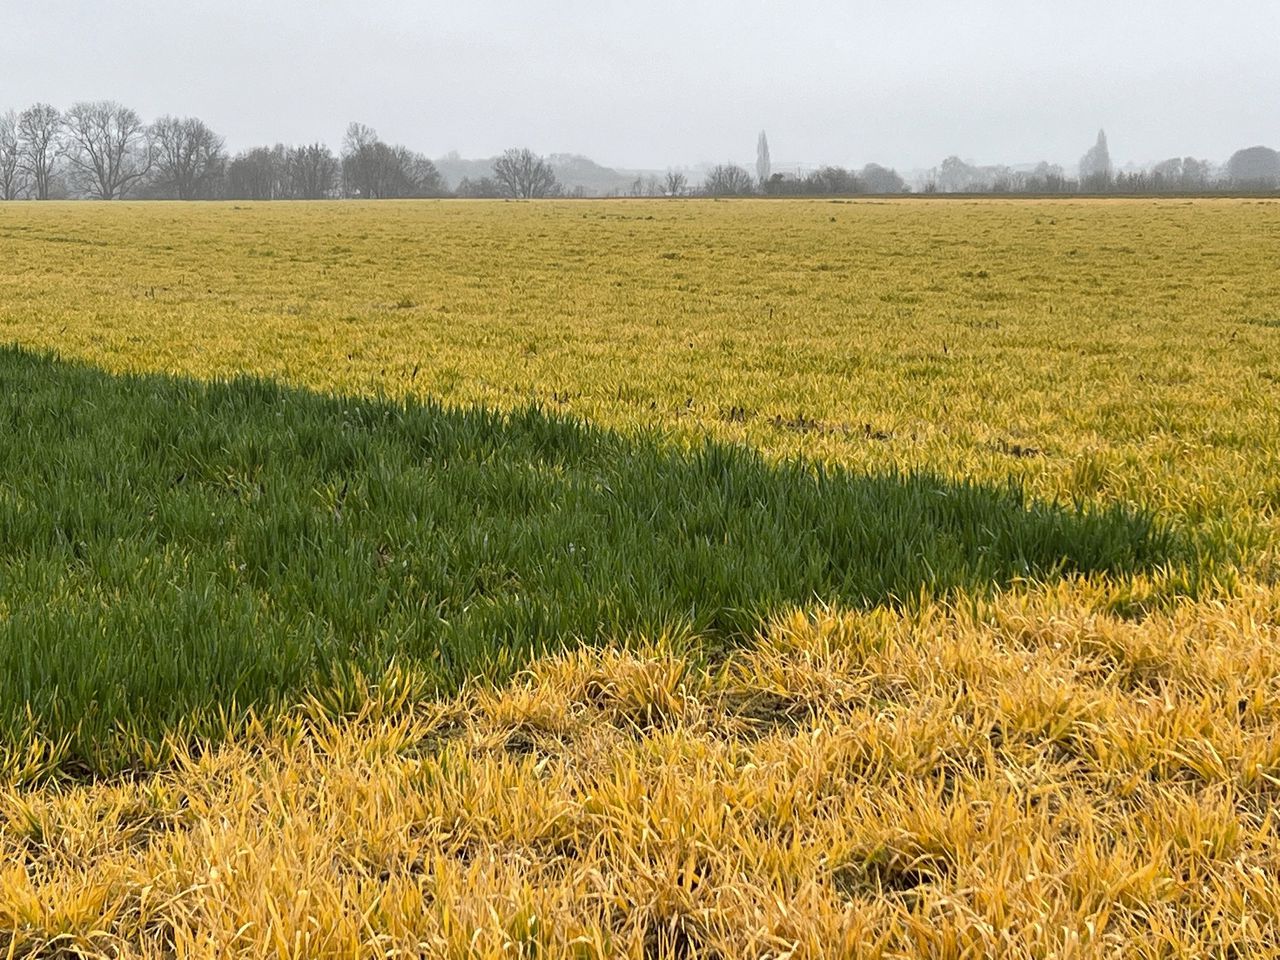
(575, 172)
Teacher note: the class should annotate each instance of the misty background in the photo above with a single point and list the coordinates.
(643, 88)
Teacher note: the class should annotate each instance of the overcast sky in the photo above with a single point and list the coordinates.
(661, 83)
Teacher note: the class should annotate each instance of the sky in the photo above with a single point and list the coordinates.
(664, 83)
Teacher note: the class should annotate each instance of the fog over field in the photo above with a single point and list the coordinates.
(649, 86)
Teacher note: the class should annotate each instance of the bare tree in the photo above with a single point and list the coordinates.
(525, 175)
(764, 166)
(362, 162)
(312, 172)
(358, 136)
(187, 156)
(10, 181)
(38, 130)
(377, 171)
(420, 176)
(107, 148)
(646, 186)
(257, 174)
(728, 180)
(675, 184)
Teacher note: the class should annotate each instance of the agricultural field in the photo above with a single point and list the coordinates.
(640, 578)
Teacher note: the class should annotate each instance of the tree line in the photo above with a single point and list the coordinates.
(1251, 169)
(104, 150)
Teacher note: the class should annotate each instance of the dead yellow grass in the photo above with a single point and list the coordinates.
(1025, 778)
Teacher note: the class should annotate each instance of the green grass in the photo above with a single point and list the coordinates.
(171, 548)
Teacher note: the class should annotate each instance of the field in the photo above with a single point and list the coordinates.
(747, 579)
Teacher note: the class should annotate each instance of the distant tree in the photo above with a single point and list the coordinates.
(878, 179)
(39, 128)
(377, 171)
(523, 174)
(1000, 179)
(106, 148)
(311, 172)
(1167, 174)
(833, 182)
(782, 185)
(1254, 167)
(363, 162)
(1133, 182)
(10, 179)
(485, 188)
(1196, 174)
(646, 186)
(1179, 173)
(357, 137)
(823, 182)
(956, 176)
(187, 157)
(675, 183)
(421, 178)
(1096, 171)
(1047, 178)
(258, 174)
(728, 180)
(764, 167)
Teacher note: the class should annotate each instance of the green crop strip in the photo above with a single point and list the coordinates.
(172, 549)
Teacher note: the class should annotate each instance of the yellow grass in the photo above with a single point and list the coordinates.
(1024, 780)
(1104, 349)
(1026, 777)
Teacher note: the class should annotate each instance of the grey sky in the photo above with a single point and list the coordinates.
(652, 84)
